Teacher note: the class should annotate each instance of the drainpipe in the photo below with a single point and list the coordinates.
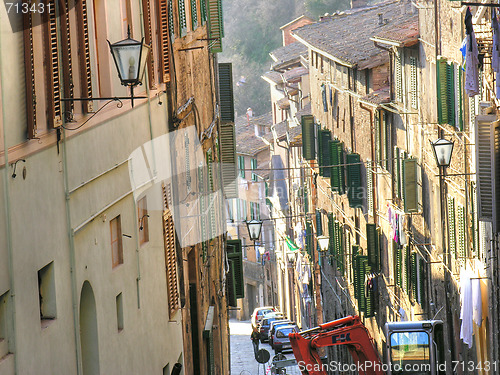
(372, 141)
(8, 228)
(71, 244)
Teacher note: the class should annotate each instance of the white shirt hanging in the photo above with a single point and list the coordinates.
(471, 66)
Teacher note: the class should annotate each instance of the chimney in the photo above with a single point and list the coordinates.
(380, 19)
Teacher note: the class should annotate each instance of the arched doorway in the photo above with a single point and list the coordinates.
(89, 342)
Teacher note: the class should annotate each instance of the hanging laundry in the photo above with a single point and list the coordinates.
(402, 233)
(331, 95)
(471, 58)
(466, 329)
(396, 228)
(477, 302)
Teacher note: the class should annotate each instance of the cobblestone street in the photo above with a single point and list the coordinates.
(242, 358)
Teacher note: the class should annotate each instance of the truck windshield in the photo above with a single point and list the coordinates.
(410, 353)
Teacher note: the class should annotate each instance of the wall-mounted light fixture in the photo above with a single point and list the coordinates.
(130, 57)
(15, 166)
(143, 219)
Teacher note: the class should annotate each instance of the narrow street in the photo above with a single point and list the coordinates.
(242, 358)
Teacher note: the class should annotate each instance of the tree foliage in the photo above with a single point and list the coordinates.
(252, 31)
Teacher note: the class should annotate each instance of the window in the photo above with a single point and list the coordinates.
(235, 284)
(253, 166)
(308, 137)
(4, 326)
(355, 191)
(215, 25)
(51, 53)
(449, 93)
(116, 241)
(370, 196)
(413, 82)
(165, 32)
(241, 165)
(417, 277)
(398, 76)
(47, 293)
(228, 160)
(119, 312)
(142, 208)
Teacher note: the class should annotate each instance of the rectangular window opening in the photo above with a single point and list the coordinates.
(119, 312)
(47, 293)
(116, 241)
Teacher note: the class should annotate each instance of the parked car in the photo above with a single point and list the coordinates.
(273, 326)
(259, 312)
(281, 340)
(264, 324)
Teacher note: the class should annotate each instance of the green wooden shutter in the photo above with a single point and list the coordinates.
(228, 160)
(450, 88)
(203, 207)
(226, 92)
(324, 152)
(337, 179)
(410, 188)
(215, 25)
(170, 18)
(181, 5)
(194, 15)
(361, 269)
(341, 247)
(354, 188)
(421, 288)
(459, 96)
(406, 269)
(369, 187)
(253, 165)
(354, 261)
(319, 224)
(211, 188)
(398, 263)
(370, 296)
(308, 141)
(442, 90)
(413, 275)
(396, 179)
(309, 243)
(203, 11)
(461, 228)
(331, 235)
(378, 137)
(399, 77)
(452, 239)
(373, 246)
(413, 82)
(234, 254)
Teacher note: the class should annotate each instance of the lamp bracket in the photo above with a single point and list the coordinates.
(115, 98)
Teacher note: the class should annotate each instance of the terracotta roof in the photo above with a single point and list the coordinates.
(288, 54)
(272, 76)
(246, 141)
(345, 36)
(380, 96)
(295, 73)
(404, 34)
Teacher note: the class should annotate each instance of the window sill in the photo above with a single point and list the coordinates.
(46, 322)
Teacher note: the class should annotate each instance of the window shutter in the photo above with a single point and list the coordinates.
(396, 173)
(414, 275)
(474, 224)
(194, 15)
(485, 166)
(203, 207)
(319, 223)
(452, 240)
(410, 188)
(413, 82)
(215, 25)
(325, 137)
(369, 187)
(52, 71)
(370, 296)
(84, 54)
(399, 77)
(461, 228)
(181, 5)
(323, 95)
(29, 71)
(235, 257)
(378, 137)
(442, 90)
(361, 270)
(340, 242)
(450, 89)
(406, 269)
(398, 263)
(354, 188)
(211, 188)
(337, 180)
(459, 96)
(203, 11)
(354, 261)
(373, 246)
(308, 139)
(170, 259)
(331, 235)
(67, 67)
(421, 288)
(165, 18)
(226, 92)
(228, 160)
(309, 242)
(148, 39)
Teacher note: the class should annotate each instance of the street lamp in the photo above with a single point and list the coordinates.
(254, 228)
(443, 149)
(130, 57)
(324, 243)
